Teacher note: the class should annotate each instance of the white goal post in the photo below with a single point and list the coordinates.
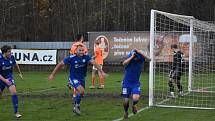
(196, 40)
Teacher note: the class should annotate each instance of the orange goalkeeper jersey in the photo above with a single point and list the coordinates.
(98, 55)
(74, 47)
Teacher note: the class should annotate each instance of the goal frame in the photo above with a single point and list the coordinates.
(151, 65)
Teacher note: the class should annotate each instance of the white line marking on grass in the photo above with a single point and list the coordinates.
(36, 91)
(171, 98)
(142, 109)
(43, 90)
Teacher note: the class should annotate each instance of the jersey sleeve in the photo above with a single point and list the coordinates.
(174, 62)
(140, 57)
(88, 58)
(177, 60)
(13, 60)
(0, 68)
(67, 60)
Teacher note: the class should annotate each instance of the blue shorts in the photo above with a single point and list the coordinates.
(75, 83)
(3, 84)
(127, 91)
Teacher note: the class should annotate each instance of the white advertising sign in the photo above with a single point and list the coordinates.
(35, 57)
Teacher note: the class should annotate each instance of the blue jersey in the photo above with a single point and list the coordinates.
(133, 71)
(6, 66)
(78, 66)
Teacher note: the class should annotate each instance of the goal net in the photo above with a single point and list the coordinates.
(195, 39)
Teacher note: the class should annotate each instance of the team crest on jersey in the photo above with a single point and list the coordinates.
(76, 66)
(84, 60)
(76, 61)
(71, 56)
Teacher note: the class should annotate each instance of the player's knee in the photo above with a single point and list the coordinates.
(126, 99)
(12, 89)
(136, 97)
(82, 91)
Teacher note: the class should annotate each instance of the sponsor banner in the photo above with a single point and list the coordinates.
(35, 57)
(116, 45)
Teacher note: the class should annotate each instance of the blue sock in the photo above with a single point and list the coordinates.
(78, 99)
(15, 103)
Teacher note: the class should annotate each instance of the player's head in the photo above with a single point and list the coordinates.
(97, 42)
(6, 50)
(79, 38)
(80, 50)
(174, 47)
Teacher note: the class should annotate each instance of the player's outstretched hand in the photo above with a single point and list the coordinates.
(51, 77)
(8, 82)
(20, 75)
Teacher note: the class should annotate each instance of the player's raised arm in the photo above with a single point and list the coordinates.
(127, 61)
(98, 67)
(19, 70)
(56, 69)
(145, 56)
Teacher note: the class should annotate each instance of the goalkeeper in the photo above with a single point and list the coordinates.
(176, 72)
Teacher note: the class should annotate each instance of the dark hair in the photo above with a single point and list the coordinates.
(97, 42)
(174, 46)
(5, 48)
(78, 37)
(79, 45)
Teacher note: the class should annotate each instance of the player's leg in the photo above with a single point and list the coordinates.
(12, 89)
(1, 91)
(101, 80)
(1, 94)
(2, 86)
(126, 93)
(71, 89)
(179, 85)
(74, 93)
(93, 78)
(170, 83)
(79, 91)
(135, 98)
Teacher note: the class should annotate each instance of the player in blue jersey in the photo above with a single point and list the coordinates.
(78, 68)
(7, 61)
(131, 82)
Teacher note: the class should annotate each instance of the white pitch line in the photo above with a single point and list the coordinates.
(142, 109)
(44, 90)
(36, 91)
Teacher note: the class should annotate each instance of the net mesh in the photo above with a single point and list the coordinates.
(172, 29)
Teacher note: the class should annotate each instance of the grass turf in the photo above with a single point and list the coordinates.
(51, 101)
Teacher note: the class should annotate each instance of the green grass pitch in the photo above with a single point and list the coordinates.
(40, 100)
